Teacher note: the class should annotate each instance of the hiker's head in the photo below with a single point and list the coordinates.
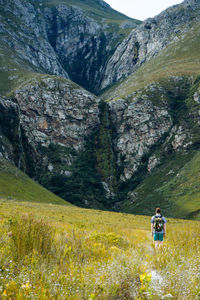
(158, 210)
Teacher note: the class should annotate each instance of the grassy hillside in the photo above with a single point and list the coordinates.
(15, 185)
(93, 8)
(64, 252)
(184, 189)
(174, 186)
(12, 71)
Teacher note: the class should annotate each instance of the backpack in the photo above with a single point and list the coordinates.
(158, 223)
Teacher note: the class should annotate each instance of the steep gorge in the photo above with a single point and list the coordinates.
(118, 151)
(95, 154)
(66, 38)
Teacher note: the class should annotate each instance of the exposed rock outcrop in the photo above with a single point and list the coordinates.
(23, 30)
(196, 111)
(139, 125)
(153, 162)
(56, 111)
(148, 39)
(182, 138)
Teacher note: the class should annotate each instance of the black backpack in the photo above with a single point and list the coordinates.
(158, 223)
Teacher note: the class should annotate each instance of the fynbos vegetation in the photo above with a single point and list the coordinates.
(57, 252)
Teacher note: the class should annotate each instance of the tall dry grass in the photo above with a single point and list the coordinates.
(73, 253)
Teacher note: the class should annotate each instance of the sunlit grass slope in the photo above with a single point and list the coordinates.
(64, 252)
(14, 184)
(180, 58)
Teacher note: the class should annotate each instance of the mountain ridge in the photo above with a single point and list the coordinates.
(80, 38)
(149, 39)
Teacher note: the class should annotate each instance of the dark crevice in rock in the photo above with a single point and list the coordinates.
(11, 129)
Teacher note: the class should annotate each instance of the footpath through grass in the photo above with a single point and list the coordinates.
(64, 252)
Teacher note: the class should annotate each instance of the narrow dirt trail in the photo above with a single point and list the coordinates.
(157, 280)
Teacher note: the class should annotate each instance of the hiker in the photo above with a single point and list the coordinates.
(158, 227)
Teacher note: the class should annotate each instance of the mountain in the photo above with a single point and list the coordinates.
(133, 147)
(68, 38)
(165, 170)
(150, 38)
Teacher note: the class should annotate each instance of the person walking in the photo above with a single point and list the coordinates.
(158, 227)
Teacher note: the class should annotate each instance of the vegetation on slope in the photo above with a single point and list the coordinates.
(184, 189)
(51, 251)
(91, 166)
(83, 187)
(174, 186)
(94, 8)
(12, 71)
(15, 185)
(105, 156)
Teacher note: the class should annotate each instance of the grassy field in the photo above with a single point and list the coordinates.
(64, 252)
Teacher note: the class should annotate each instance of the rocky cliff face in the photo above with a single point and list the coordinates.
(150, 123)
(166, 146)
(23, 30)
(56, 111)
(82, 44)
(86, 150)
(139, 126)
(148, 39)
(45, 126)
